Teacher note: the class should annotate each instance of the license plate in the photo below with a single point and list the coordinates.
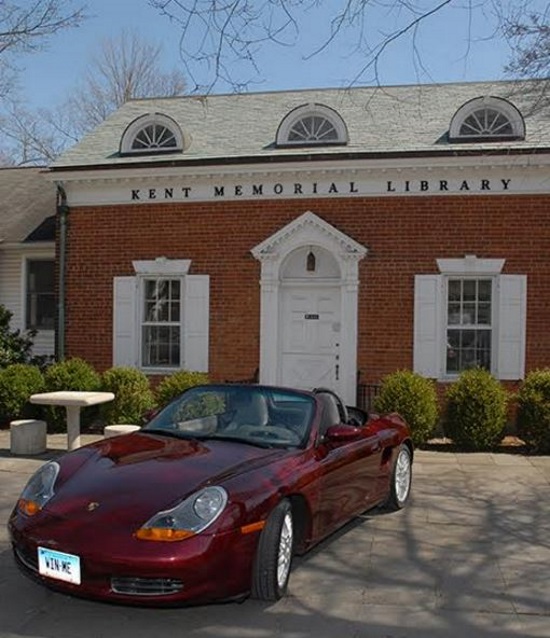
(59, 565)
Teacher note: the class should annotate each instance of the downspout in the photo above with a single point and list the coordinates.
(63, 213)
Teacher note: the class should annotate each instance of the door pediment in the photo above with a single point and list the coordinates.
(341, 255)
(309, 229)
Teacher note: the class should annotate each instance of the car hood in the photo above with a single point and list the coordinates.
(136, 475)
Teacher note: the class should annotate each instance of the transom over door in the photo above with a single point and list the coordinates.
(310, 330)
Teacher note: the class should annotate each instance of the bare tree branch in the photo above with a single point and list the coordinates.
(222, 41)
(26, 26)
(124, 68)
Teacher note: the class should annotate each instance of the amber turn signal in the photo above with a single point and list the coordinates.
(253, 527)
(30, 508)
(162, 534)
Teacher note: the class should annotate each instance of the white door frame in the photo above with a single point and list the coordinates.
(309, 230)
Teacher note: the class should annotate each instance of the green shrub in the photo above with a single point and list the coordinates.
(16, 346)
(71, 374)
(476, 412)
(414, 398)
(172, 386)
(133, 396)
(17, 382)
(533, 411)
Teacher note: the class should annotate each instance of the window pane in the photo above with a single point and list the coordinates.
(469, 289)
(485, 287)
(468, 349)
(162, 301)
(40, 295)
(484, 314)
(455, 290)
(469, 314)
(454, 314)
(161, 346)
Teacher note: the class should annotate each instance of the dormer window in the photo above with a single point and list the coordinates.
(312, 124)
(150, 134)
(487, 119)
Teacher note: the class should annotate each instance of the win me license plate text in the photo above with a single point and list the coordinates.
(59, 565)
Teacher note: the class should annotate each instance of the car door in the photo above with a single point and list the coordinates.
(348, 472)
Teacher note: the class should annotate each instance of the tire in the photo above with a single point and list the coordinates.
(401, 480)
(274, 555)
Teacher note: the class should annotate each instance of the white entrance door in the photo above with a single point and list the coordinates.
(310, 330)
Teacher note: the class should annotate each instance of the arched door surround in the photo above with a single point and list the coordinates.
(309, 298)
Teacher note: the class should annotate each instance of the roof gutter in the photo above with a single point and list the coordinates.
(308, 157)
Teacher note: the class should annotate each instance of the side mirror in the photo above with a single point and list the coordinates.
(342, 433)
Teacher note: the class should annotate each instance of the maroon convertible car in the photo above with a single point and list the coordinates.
(211, 499)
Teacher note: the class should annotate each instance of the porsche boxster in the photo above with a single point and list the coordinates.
(211, 499)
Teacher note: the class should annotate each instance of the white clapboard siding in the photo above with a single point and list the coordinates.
(12, 294)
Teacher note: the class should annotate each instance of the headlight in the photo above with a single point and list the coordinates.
(39, 490)
(190, 517)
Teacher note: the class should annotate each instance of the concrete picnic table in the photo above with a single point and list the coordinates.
(73, 401)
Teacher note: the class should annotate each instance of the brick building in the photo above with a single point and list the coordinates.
(312, 236)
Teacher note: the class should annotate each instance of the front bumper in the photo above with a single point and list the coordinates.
(203, 568)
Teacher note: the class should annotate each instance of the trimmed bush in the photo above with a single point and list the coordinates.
(16, 346)
(133, 396)
(414, 398)
(17, 382)
(533, 413)
(475, 416)
(171, 387)
(71, 374)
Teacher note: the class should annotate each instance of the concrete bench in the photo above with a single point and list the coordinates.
(117, 430)
(28, 437)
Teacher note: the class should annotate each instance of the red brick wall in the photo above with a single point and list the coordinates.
(404, 236)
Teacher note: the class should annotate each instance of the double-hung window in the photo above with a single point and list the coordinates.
(470, 315)
(161, 324)
(161, 317)
(40, 294)
(469, 325)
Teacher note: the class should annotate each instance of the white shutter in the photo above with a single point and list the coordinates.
(124, 321)
(511, 326)
(427, 325)
(197, 313)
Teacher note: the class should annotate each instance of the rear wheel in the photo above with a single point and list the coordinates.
(401, 479)
(274, 555)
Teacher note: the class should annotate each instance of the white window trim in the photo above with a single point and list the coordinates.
(146, 120)
(306, 110)
(501, 105)
(160, 268)
(158, 369)
(509, 312)
(38, 256)
(452, 376)
(470, 267)
(128, 314)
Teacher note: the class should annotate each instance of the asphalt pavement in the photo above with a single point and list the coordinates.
(468, 558)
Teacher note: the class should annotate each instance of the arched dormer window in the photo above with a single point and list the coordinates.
(487, 119)
(152, 133)
(312, 124)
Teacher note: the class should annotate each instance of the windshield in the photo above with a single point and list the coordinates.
(251, 414)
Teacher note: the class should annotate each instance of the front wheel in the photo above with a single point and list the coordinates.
(401, 479)
(274, 555)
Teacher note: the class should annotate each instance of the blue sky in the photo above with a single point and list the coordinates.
(451, 49)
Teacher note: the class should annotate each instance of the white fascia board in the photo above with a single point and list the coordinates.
(331, 165)
(509, 175)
